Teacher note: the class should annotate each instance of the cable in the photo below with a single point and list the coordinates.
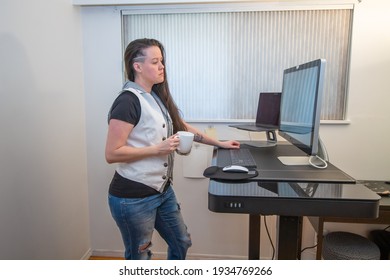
(269, 237)
(306, 248)
(272, 244)
(324, 163)
(310, 247)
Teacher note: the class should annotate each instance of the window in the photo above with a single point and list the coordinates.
(224, 59)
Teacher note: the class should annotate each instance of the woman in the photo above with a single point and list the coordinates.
(141, 137)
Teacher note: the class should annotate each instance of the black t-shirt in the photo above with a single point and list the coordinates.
(127, 107)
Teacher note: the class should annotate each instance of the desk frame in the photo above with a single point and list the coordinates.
(290, 227)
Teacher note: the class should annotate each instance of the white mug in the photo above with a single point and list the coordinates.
(186, 138)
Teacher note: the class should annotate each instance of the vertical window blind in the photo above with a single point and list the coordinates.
(218, 62)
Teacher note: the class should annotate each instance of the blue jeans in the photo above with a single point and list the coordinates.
(138, 217)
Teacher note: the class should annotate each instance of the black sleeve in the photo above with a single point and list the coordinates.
(126, 107)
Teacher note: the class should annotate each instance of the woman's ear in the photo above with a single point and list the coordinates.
(137, 67)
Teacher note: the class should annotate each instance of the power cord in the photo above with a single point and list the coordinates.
(310, 247)
(269, 237)
(323, 164)
(272, 244)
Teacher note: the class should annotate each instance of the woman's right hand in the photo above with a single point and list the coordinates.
(169, 145)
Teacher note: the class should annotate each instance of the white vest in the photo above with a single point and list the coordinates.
(150, 130)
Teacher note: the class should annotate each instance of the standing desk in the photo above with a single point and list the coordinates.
(291, 192)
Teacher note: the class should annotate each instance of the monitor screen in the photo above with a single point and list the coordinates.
(268, 109)
(300, 107)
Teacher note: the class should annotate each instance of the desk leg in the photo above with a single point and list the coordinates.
(320, 237)
(289, 238)
(254, 237)
(318, 225)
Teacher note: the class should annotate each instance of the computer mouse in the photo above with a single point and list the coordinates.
(235, 169)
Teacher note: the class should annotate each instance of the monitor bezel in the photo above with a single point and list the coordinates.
(312, 148)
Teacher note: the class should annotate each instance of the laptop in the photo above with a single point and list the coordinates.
(267, 117)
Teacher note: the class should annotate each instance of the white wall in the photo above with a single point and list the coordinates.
(43, 176)
(358, 148)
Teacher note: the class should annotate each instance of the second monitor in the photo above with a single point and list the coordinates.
(267, 119)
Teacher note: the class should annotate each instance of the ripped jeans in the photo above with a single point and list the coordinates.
(138, 217)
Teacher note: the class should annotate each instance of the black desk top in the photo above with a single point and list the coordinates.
(270, 168)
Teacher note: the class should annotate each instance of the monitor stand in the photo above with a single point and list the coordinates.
(314, 161)
(258, 144)
(270, 142)
(318, 161)
(294, 160)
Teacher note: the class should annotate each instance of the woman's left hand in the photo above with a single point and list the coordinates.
(231, 144)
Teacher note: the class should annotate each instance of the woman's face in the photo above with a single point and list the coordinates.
(151, 70)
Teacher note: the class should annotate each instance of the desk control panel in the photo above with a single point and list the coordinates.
(234, 204)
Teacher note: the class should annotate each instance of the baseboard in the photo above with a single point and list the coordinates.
(108, 253)
(87, 255)
(203, 257)
(163, 256)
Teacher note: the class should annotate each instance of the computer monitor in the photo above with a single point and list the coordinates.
(300, 110)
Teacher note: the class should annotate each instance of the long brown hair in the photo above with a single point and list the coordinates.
(135, 50)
